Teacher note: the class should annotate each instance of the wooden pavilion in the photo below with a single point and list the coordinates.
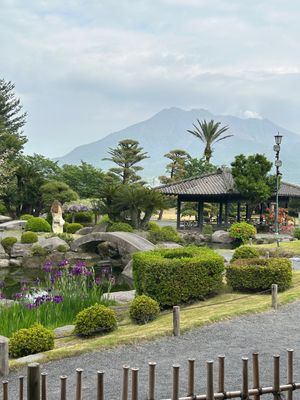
(218, 187)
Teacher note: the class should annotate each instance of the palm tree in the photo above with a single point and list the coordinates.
(209, 133)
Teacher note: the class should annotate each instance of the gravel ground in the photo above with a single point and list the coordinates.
(268, 333)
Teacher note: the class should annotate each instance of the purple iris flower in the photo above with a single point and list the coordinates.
(57, 299)
(63, 263)
(76, 271)
(98, 281)
(47, 267)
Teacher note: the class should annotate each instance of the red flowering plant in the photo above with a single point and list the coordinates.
(270, 217)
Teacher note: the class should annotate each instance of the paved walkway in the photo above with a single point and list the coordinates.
(269, 333)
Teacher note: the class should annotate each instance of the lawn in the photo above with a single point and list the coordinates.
(226, 305)
(293, 247)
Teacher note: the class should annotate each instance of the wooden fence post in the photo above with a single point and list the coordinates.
(210, 380)
(151, 389)
(175, 392)
(274, 296)
(63, 387)
(5, 390)
(256, 383)
(221, 374)
(176, 321)
(33, 382)
(100, 385)
(4, 370)
(290, 372)
(276, 377)
(245, 387)
(21, 388)
(191, 377)
(44, 385)
(125, 383)
(78, 383)
(135, 384)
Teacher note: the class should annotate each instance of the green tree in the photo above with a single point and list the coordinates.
(209, 133)
(252, 179)
(176, 168)
(85, 179)
(56, 190)
(198, 167)
(127, 155)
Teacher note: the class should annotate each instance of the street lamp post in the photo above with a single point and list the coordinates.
(278, 164)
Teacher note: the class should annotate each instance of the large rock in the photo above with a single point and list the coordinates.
(168, 245)
(21, 250)
(127, 274)
(13, 225)
(85, 231)
(15, 262)
(102, 227)
(221, 237)
(3, 254)
(120, 297)
(63, 331)
(4, 263)
(194, 238)
(4, 218)
(52, 243)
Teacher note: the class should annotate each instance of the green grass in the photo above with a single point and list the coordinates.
(226, 305)
(292, 247)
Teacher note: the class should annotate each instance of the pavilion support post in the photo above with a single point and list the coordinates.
(247, 212)
(178, 212)
(220, 214)
(226, 213)
(261, 212)
(200, 214)
(238, 213)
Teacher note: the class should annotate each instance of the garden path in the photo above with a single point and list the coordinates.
(269, 333)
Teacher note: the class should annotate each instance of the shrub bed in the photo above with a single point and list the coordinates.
(8, 243)
(29, 237)
(245, 252)
(242, 232)
(257, 274)
(95, 319)
(37, 224)
(74, 227)
(30, 341)
(143, 309)
(120, 227)
(164, 234)
(174, 276)
(26, 217)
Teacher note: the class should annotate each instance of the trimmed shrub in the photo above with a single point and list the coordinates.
(174, 276)
(80, 217)
(95, 319)
(296, 233)
(242, 231)
(143, 309)
(37, 224)
(120, 227)
(61, 248)
(153, 226)
(258, 274)
(31, 340)
(245, 252)
(105, 220)
(29, 237)
(164, 234)
(67, 237)
(73, 228)
(207, 230)
(26, 217)
(8, 243)
(38, 250)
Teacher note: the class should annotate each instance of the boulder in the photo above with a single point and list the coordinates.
(15, 262)
(102, 227)
(4, 218)
(221, 237)
(52, 243)
(168, 245)
(85, 231)
(3, 255)
(13, 225)
(107, 250)
(21, 250)
(194, 238)
(127, 273)
(4, 263)
(120, 297)
(63, 331)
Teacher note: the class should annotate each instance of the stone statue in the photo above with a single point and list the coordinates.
(57, 218)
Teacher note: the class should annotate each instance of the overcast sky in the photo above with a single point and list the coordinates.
(84, 68)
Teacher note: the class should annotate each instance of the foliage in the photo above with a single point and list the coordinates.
(26, 217)
(8, 243)
(174, 276)
(74, 227)
(209, 133)
(143, 309)
(29, 237)
(126, 155)
(105, 220)
(252, 179)
(31, 341)
(67, 237)
(37, 224)
(95, 319)
(153, 226)
(176, 168)
(242, 231)
(198, 167)
(245, 252)
(84, 179)
(296, 233)
(120, 227)
(164, 234)
(56, 190)
(38, 250)
(62, 248)
(257, 274)
(294, 207)
(207, 229)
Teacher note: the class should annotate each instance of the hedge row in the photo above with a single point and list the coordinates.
(258, 274)
(174, 276)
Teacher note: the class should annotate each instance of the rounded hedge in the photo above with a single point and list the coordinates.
(120, 227)
(296, 233)
(29, 237)
(245, 252)
(143, 309)
(95, 319)
(37, 224)
(30, 341)
(174, 276)
(164, 234)
(74, 227)
(8, 243)
(26, 217)
(153, 226)
(242, 231)
(258, 274)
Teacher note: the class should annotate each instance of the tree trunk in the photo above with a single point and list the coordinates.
(146, 219)
(160, 215)
(135, 218)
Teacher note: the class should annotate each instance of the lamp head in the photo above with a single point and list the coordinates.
(278, 139)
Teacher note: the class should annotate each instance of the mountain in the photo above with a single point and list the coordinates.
(167, 130)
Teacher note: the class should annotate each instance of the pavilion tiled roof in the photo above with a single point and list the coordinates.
(217, 184)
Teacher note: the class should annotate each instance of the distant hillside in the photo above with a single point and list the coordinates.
(167, 130)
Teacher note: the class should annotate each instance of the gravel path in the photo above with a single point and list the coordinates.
(269, 333)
